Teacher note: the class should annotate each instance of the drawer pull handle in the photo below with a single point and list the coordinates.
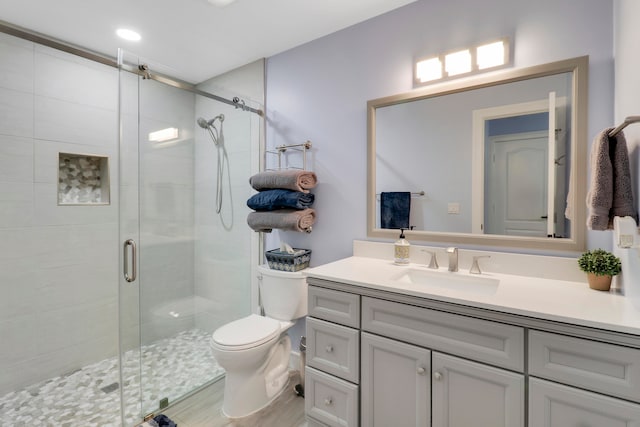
(329, 349)
(328, 401)
(421, 371)
(437, 376)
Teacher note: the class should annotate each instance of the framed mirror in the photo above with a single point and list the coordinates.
(493, 160)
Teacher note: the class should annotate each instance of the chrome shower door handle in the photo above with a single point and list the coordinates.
(130, 243)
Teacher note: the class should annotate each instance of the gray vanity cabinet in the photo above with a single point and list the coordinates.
(467, 394)
(397, 360)
(395, 387)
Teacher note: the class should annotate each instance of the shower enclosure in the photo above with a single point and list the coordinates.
(182, 220)
(90, 335)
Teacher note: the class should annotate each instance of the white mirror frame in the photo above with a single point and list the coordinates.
(576, 243)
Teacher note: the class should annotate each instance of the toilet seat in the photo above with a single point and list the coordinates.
(245, 333)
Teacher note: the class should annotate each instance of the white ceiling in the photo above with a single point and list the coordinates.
(193, 38)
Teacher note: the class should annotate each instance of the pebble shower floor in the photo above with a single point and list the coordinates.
(90, 396)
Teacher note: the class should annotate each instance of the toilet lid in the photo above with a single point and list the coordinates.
(247, 332)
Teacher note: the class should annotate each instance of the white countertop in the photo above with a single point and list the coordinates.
(557, 300)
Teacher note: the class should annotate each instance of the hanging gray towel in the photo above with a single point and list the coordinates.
(610, 193)
(395, 207)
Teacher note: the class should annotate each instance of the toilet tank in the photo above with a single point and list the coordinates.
(283, 294)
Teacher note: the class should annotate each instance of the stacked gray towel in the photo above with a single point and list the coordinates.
(283, 201)
(297, 180)
(610, 194)
(282, 219)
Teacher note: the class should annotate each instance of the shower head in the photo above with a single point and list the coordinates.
(205, 124)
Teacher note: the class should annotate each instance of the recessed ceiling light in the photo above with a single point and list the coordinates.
(128, 34)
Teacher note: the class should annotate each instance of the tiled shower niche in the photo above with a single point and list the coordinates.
(83, 179)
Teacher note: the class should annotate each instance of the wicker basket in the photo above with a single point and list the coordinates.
(284, 261)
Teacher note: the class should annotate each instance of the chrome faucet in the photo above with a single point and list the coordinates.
(453, 258)
(433, 262)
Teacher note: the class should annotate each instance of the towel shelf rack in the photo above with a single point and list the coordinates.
(627, 121)
(280, 149)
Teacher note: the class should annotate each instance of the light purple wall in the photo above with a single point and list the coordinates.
(318, 91)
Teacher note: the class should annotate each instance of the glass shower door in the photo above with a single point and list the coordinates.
(192, 265)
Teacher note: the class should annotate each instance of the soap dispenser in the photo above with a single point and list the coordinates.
(401, 249)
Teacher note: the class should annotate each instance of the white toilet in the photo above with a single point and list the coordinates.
(255, 350)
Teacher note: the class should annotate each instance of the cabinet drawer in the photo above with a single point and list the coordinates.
(552, 404)
(330, 400)
(606, 368)
(333, 348)
(482, 340)
(334, 306)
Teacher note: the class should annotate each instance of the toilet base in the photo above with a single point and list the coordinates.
(247, 392)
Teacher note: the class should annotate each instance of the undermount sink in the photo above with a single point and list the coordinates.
(449, 280)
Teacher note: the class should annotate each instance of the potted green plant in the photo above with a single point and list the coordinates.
(600, 267)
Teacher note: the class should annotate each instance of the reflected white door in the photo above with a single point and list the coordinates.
(516, 191)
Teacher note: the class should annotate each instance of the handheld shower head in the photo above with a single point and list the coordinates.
(202, 123)
(205, 124)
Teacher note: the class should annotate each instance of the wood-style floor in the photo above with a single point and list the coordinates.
(204, 409)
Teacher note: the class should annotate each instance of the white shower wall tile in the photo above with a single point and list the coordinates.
(92, 280)
(16, 159)
(16, 63)
(17, 112)
(16, 244)
(159, 168)
(47, 211)
(19, 338)
(65, 121)
(70, 80)
(16, 204)
(59, 329)
(17, 287)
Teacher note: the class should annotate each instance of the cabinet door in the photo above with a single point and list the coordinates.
(394, 383)
(555, 405)
(471, 394)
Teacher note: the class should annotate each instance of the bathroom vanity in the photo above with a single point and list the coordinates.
(391, 345)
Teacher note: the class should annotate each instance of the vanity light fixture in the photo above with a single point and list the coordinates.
(481, 58)
(457, 62)
(163, 135)
(127, 34)
(491, 55)
(429, 69)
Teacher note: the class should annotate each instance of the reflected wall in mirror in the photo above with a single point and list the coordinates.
(493, 160)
